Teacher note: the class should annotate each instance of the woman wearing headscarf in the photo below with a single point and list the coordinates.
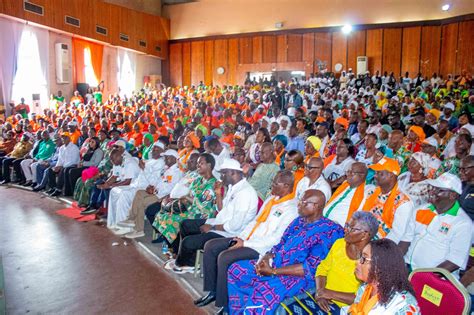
(386, 289)
(311, 148)
(148, 141)
(279, 145)
(415, 137)
(191, 145)
(414, 182)
(336, 283)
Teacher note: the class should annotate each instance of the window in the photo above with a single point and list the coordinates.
(126, 76)
(89, 73)
(29, 77)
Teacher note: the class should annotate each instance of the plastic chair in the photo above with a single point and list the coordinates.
(438, 292)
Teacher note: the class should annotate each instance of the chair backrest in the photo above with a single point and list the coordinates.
(438, 292)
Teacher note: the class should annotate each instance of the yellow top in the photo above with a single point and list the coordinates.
(339, 270)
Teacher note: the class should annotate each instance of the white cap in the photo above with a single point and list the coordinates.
(395, 98)
(159, 144)
(72, 123)
(120, 143)
(230, 164)
(171, 152)
(450, 106)
(431, 141)
(447, 181)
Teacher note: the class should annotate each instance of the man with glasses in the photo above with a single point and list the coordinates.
(440, 235)
(313, 179)
(392, 208)
(349, 196)
(466, 172)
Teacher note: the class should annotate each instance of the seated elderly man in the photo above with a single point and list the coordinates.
(124, 170)
(236, 210)
(349, 196)
(392, 208)
(258, 237)
(440, 234)
(44, 167)
(168, 177)
(19, 152)
(289, 267)
(121, 198)
(313, 179)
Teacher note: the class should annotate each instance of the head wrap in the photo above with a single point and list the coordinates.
(435, 113)
(149, 137)
(216, 132)
(283, 139)
(424, 160)
(387, 128)
(315, 142)
(194, 139)
(343, 122)
(418, 131)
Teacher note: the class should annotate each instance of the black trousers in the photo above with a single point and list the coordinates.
(151, 211)
(192, 239)
(57, 180)
(217, 259)
(5, 162)
(71, 177)
(17, 168)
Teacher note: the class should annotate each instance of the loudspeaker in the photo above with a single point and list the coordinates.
(82, 88)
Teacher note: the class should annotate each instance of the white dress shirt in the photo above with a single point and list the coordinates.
(269, 233)
(68, 155)
(150, 175)
(320, 184)
(128, 170)
(225, 154)
(239, 208)
(170, 177)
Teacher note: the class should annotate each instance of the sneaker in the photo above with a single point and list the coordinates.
(135, 234)
(182, 270)
(89, 210)
(126, 223)
(170, 264)
(121, 231)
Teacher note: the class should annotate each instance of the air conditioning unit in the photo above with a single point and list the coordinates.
(362, 64)
(62, 63)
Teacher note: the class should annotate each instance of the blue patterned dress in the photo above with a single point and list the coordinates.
(302, 243)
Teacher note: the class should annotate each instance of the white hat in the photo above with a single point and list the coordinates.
(159, 144)
(395, 98)
(171, 152)
(231, 164)
(447, 181)
(449, 106)
(120, 143)
(72, 123)
(431, 141)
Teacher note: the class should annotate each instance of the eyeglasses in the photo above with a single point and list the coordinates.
(309, 167)
(349, 229)
(349, 172)
(464, 169)
(304, 203)
(363, 260)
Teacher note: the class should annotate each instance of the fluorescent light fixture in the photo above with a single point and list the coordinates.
(346, 29)
(297, 73)
(445, 7)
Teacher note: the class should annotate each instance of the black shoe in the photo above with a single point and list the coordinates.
(221, 311)
(211, 297)
(33, 184)
(89, 210)
(38, 188)
(50, 191)
(82, 205)
(202, 298)
(55, 193)
(4, 182)
(21, 183)
(158, 240)
(26, 184)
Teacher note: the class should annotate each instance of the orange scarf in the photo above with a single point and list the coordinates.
(356, 199)
(299, 174)
(278, 157)
(183, 158)
(267, 209)
(388, 212)
(366, 303)
(328, 160)
(316, 155)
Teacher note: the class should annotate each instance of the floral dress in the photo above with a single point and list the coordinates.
(204, 206)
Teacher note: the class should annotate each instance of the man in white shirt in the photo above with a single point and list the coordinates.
(169, 177)
(219, 152)
(258, 237)
(313, 180)
(68, 158)
(439, 235)
(236, 210)
(121, 198)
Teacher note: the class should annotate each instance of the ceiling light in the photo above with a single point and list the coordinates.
(346, 29)
(445, 7)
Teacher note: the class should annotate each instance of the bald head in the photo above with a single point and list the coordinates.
(357, 174)
(312, 204)
(314, 168)
(283, 183)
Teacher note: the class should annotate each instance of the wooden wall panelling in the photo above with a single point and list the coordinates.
(269, 49)
(101, 15)
(176, 64)
(142, 33)
(339, 50)
(411, 47)
(160, 34)
(197, 62)
(374, 50)
(208, 61)
(449, 43)
(430, 50)
(114, 24)
(465, 57)
(187, 64)
(220, 60)
(257, 49)
(322, 51)
(308, 52)
(391, 52)
(79, 9)
(355, 47)
(233, 62)
(295, 48)
(245, 47)
(282, 48)
(127, 26)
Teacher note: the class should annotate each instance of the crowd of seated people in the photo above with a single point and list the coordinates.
(316, 195)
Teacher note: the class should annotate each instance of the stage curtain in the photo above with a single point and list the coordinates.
(97, 51)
